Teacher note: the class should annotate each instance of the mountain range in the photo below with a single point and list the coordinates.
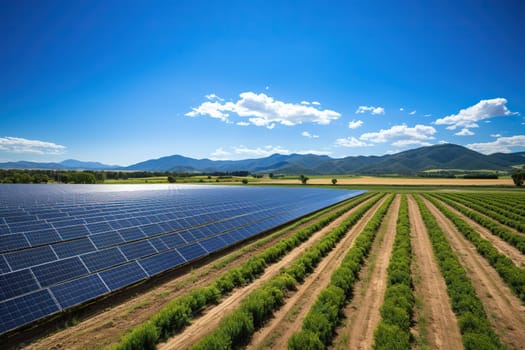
(445, 156)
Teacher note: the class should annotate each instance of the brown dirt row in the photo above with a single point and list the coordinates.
(109, 325)
(210, 319)
(441, 327)
(365, 308)
(505, 312)
(289, 318)
(503, 247)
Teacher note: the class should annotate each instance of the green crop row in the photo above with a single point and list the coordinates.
(236, 329)
(487, 208)
(512, 204)
(475, 329)
(393, 331)
(513, 276)
(179, 311)
(510, 237)
(325, 314)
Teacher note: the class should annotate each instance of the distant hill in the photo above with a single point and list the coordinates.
(446, 156)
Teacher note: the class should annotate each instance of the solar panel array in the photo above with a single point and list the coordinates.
(63, 245)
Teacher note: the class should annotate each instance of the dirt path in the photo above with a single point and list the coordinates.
(211, 318)
(364, 308)
(106, 327)
(503, 247)
(505, 312)
(442, 331)
(289, 318)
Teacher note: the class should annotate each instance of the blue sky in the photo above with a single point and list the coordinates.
(121, 82)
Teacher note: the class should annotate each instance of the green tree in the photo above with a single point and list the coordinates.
(171, 179)
(245, 181)
(518, 177)
(303, 179)
(334, 181)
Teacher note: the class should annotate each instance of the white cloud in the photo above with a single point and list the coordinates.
(373, 110)
(310, 136)
(220, 153)
(464, 132)
(427, 115)
(354, 124)
(442, 142)
(243, 152)
(502, 144)
(21, 145)
(306, 103)
(212, 96)
(401, 109)
(402, 135)
(243, 123)
(317, 103)
(263, 110)
(350, 142)
(467, 118)
(495, 135)
(412, 113)
(266, 87)
(260, 152)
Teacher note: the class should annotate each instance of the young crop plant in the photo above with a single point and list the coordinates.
(502, 232)
(178, 312)
(513, 276)
(259, 306)
(474, 326)
(325, 314)
(393, 331)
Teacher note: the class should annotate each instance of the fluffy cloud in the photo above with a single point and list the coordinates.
(21, 145)
(501, 144)
(354, 124)
(373, 110)
(212, 97)
(317, 103)
(464, 132)
(310, 136)
(402, 135)
(263, 110)
(412, 113)
(243, 152)
(401, 109)
(467, 118)
(243, 123)
(350, 142)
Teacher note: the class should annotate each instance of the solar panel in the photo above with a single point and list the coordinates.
(64, 245)
(123, 275)
(80, 290)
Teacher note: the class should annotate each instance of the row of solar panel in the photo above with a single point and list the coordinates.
(33, 303)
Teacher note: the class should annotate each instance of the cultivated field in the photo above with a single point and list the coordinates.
(422, 270)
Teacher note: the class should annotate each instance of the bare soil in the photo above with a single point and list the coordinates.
(109, 325)
(363, 312)
(442, 331)
(505, 311)
(210, 319)
(289, 318)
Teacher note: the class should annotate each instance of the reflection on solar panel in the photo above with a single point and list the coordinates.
(63, 245)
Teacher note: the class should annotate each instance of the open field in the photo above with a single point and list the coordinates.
(458, 280)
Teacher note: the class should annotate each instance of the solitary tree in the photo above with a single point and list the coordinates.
(518, 177)
(303, 179)
(171, 179)
(245, 181)
(334, 181)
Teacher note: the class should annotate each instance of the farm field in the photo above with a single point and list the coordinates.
(427, 270)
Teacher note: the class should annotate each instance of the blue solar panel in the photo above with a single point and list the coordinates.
(192, 251)
(30, 257)
(20, 311)
(70, 232)
(16, 283)
(79, 290)
(107, 239)
(59, 271)
(137, 250)
(161, 262)
(123, 275)
(131, 234)
(42, 237)
(13, 242)
(71, 248)
(75, 243)
(103, 259)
